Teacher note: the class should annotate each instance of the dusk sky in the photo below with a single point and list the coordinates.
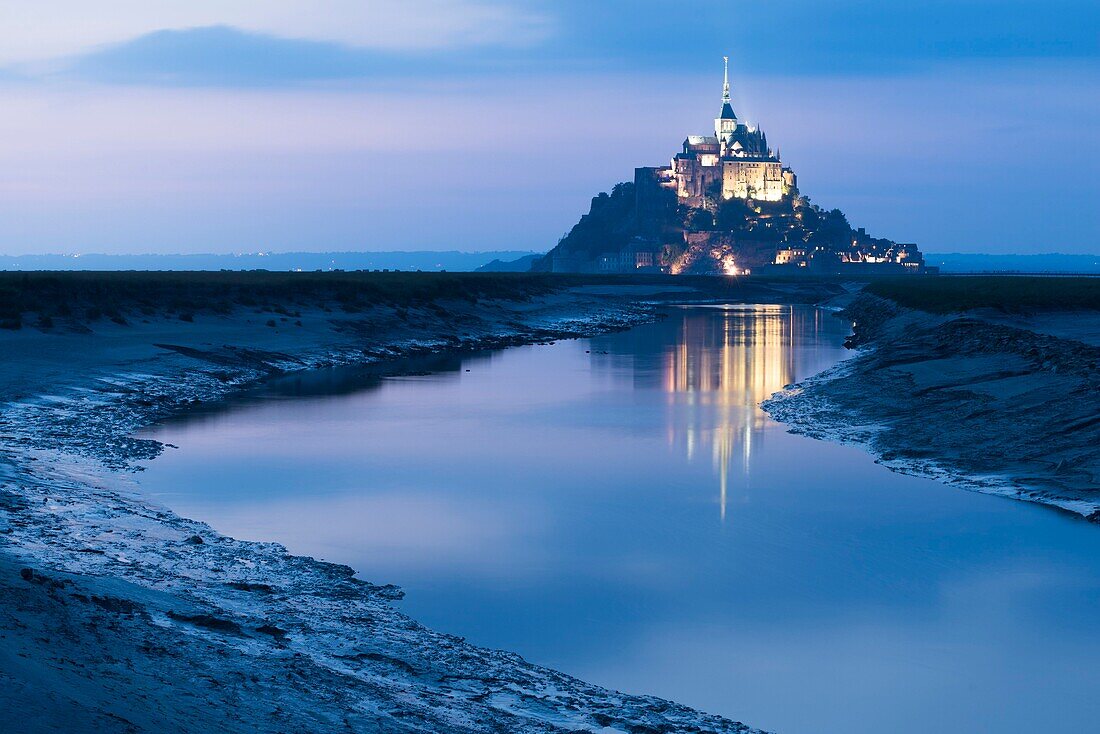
(241, 125)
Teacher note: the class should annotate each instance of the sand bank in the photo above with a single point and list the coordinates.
(1002, 403)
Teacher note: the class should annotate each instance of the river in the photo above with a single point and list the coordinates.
(620, 509)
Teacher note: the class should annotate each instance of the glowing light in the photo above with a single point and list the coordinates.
(721, 375)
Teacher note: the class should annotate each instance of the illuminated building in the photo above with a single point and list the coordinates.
(735, 162)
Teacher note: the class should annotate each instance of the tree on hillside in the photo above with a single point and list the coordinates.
(733, 215)
(698, 220)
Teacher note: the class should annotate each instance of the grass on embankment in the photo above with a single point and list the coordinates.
(1011, 294)
(87, 296)
(40, 298)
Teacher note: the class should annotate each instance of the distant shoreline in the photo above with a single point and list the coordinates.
(405, 260)
(469, 261)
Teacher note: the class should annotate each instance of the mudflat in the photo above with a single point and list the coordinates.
(1001, 395)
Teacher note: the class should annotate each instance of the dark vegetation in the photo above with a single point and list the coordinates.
(1006, 293)
(608, 225)
(47, 299)
(793, 221)
(42, 298)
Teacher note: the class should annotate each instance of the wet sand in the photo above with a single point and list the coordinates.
(994, 402)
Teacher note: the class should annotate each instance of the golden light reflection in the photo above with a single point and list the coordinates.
(719, 372)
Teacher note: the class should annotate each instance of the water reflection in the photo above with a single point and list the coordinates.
(722, 363)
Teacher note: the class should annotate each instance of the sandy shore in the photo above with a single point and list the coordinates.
(1007, 404)
(116, 615)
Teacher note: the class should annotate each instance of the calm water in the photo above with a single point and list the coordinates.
(619, 509)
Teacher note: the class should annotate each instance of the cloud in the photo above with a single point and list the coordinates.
(47, 29)
(224, 56)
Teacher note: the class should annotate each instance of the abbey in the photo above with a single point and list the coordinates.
(735, 162)
(726, 204)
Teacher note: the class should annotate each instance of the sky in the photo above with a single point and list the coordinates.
(137, 126)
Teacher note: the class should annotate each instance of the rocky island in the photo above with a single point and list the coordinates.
(726, 204)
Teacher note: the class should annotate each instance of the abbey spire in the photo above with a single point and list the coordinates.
(725, 125)
(727, 108)
(726, 80)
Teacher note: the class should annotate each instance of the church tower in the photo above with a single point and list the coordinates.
(725, 125)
